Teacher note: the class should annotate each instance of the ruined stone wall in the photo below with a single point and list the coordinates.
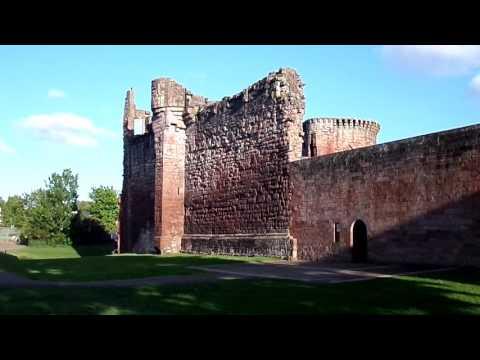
(419, 197)
(329, 135)
(152, 206)
(137, 200)
(138, 194)
(237, 174)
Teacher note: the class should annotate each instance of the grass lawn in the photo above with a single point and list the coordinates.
(444, 293)
(455, 292)
(59, 252)
(66, 263)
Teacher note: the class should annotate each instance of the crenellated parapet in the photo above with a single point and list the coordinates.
(195, 155)
(326, 135)
(342, 121)
(227, 177)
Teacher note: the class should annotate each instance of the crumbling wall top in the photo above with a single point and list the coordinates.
(167, 92)
(279, 86)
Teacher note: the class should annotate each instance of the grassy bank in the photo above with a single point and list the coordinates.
(66, 263)
(453, 293)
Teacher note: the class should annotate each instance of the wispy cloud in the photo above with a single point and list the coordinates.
(4, 148)
(435, 59)
(475, 84)
(56, 94)
(66, 128)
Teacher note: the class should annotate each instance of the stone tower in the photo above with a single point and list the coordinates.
(152, 214)
(170, 103)
(329, 135)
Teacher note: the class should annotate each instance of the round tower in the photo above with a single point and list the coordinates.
(329, 135)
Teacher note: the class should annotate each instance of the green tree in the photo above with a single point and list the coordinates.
(2, 203)
(50, 211)
(84, 206)
(63, 189)
(104, 207)
(14, 211)
(38, 218)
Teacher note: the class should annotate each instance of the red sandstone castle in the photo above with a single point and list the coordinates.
(246, 175)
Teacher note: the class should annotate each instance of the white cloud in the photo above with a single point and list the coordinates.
(475, 84)
(66, 128)
(435, 59)
(5, 148)
(56, 94)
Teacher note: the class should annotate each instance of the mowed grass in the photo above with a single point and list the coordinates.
(60, 252)
(453, 293)
(444, 293)
(65, 263)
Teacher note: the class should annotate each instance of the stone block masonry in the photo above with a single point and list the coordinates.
(237, 181)
(330, 135)
(419, 198)
(137, 201)
(152, 213)
(245, 176)
(168, 106)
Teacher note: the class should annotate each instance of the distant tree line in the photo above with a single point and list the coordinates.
(53, 215)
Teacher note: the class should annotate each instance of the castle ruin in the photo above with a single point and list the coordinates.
(247, 176)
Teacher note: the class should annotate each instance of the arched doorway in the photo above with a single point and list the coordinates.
(359, 241)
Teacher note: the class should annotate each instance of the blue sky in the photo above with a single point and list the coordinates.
(62, 106)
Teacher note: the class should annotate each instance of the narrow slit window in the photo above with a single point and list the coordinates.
(336, 233)
(313, 145)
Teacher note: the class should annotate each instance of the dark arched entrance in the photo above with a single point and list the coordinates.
(359, 241)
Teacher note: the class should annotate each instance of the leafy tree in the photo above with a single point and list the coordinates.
(14, 211)
(84, 206)
(87, 231)
(2, 203)
(63, 189)
(38, 218)
(104, 207)
(50, 211)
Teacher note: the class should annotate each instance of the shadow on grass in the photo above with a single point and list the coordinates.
(465, 275)
(115, 267)
(450, 293)
(9, 263)
(94, 250)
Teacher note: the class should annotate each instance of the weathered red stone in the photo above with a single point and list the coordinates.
(245, 176)
(419, 198)
(329, 135)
